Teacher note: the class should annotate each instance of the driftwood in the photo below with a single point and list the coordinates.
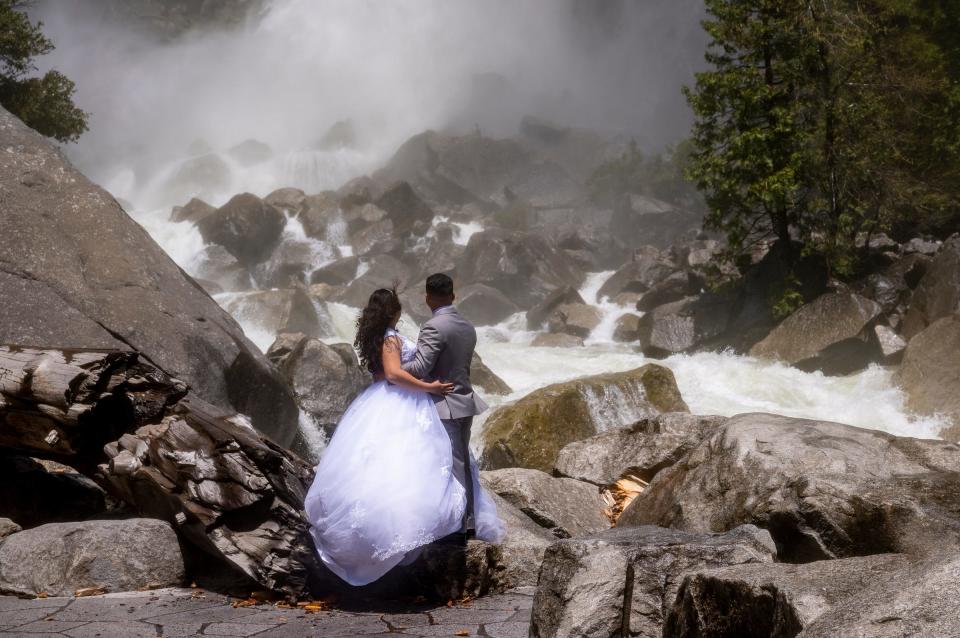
(225, 488)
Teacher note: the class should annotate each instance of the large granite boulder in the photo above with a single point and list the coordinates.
(938, 292)
(674, 288)
(578, 320)
(214, 265)
(647, 267)
(325, 378)
(621, 582)
(930, 372)
(564, 506)
(531, 432)
(404, 207)
(486, 379)
(524, 266)
(764, 599)
(8, 527)
(80, 273)
(682, 326)
(337, 273)
(831, 334)
(60, 558)
(641, 449)
(192, 211)
(273, 312)
(537, 315)
(483, 305)
(824, 490)
(246, 226)
(381, 271)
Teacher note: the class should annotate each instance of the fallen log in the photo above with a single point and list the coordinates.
(136, 431)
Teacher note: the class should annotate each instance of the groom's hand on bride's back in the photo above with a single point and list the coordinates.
(441, 388)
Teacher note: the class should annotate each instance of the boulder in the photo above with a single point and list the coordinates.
(771, 599)
(627, 328)
(531, 432)
(642, 449)
(621, 582)
(564, 506)
(321, 218)
(684, 325)
(921, 246)
(539, 314)
(33, 495)
(550, 340)
(484, 378)
(404, 207)
(381, 271)
(483, 305)
(930, 371)
(825, 334)
(675, 287)
(60, 558)
(824, 490)
(246, 226)
(336, 273)
(524, 266)
(110, 286)
(8, 527)
(891, 344)
(325, 378)
(578, 320)
(892, 287)
(277, 311)
(377, 237)
(921, 601)
(216, 265)
(647, 267)
(192, 211)
(289, 200)
(938, 292)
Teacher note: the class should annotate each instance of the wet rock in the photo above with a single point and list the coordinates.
(192, 211)
(825, 335)
(279, 311)
(251, 152)
(217, 265)
(336, 273)
(377, 237)
(61, 558)
(683, 325)
(647, 267)
(578, 320)
(645, 220)
(404, 207)
(539, 314)
(319, 214)
(325, 378)
(8, 527)
(564, 506)
(524, 266)
(772, 599)
(921, 246)
(930, 371)
(246, 226)
(128, 295)
(289, 200)
(531, 432)
(921, 601)
(483, 305)
(622, 581)
(627, 328)
(381, 271)
(824, 490)
(938, 293)
(891, 344)
(675, 287)
(484, 378)
(550, 340)
(641, 449)
(32, 495)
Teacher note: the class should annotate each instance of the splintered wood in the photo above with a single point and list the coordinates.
(618, 496)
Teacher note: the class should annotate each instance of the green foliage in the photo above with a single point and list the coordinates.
(661, 176)
(826, 121)
(45, 103)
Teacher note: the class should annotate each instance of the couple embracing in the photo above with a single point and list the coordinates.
(398, 473)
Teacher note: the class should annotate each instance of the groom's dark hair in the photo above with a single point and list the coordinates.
(439, 285)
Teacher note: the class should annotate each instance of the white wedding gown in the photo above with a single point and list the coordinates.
(384, 488)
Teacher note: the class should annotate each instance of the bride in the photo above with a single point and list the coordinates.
(384, 487)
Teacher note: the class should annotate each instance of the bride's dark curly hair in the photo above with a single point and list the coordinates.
(376, 317)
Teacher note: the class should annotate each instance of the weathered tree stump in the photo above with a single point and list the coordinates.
(225, 488)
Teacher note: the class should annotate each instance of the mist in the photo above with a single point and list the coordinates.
(288, 72)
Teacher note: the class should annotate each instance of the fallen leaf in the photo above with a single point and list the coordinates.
(90, 591)
(42, 594)
(462, 632)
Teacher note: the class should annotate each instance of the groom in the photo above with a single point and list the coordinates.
(445, 351)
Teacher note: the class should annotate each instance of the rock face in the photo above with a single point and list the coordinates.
(564, 506)
(524, 266)
(484, 378)
(642, 449)
(647, 267)
(192, 211)
(537, 315)
(483, 305)
(772, 599)
(824, 334)
(85, 275)
(325, 379)
(620, 582)
(930, 372)
(578, 320)
(824, 490)
(246, 226)
(61, 558)
(404, 207)
(530, 432)
(938, 293)
(281, 311)
(682, 325)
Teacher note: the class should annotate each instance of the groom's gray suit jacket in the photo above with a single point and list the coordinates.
(445, 351)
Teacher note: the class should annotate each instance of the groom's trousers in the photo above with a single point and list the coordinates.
(459, 432)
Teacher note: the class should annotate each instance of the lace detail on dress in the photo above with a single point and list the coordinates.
(398, 546)
(408, 348)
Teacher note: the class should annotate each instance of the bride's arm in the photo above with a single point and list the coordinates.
(396, 375)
